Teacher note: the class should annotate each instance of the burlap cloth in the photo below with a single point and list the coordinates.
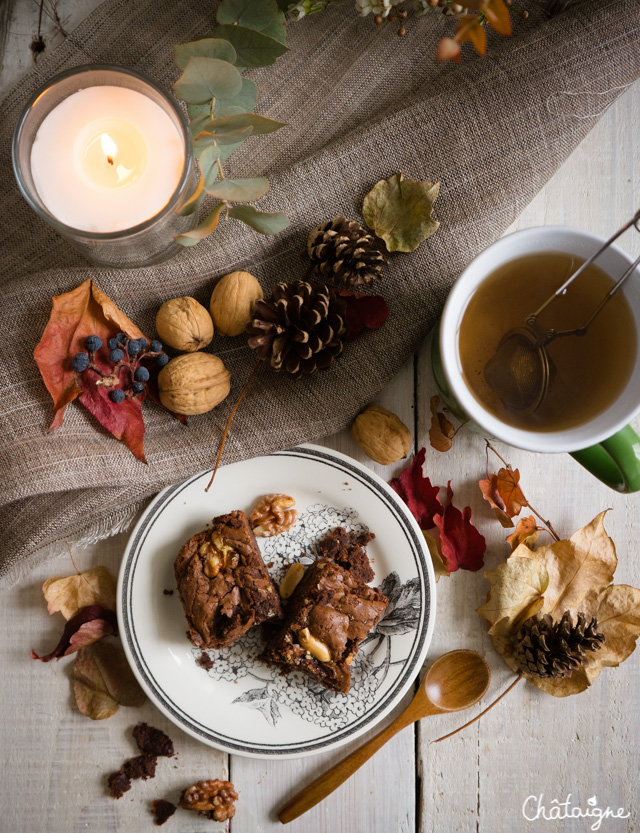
(362, 104)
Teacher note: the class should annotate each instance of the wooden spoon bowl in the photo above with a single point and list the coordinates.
(455, 681)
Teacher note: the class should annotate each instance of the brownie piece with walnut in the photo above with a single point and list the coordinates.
(224, 586)
(329, 614)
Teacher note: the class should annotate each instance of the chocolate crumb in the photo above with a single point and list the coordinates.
(119, 784)
(270, 564)
(142, 766)
(205, 661)
(168, 593)
(153, 741)
(162, 810)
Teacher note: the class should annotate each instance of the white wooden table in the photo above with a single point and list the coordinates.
(55, 760)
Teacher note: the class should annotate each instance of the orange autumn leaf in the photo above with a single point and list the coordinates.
(510, 491)
(442, 431)
(490, 493)
(526, 532)
(470, 28)
(497, 14)
(448, 50)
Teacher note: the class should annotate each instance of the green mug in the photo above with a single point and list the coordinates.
(606, 445)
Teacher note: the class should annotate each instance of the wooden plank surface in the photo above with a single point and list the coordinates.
(55, 760)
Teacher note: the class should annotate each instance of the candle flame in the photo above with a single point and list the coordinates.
(109, 147)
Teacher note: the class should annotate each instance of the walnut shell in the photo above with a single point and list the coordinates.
(185, 324)
(381, 435)
(193, 383)
(232, 302)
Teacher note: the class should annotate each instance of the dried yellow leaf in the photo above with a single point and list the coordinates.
(69, 595)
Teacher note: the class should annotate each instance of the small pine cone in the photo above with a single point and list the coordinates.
(343, 251)
(300, 329)
(548, 649)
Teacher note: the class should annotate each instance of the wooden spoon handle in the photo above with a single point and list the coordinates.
(338, 774)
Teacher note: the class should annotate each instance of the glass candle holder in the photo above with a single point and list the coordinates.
(117, 153)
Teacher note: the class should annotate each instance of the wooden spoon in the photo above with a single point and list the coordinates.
(455, 681)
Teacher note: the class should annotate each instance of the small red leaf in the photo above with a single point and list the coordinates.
(417, 492)
(122, 419)
(89, 625)
(370, 311)
(470, 28)
(461, 545)
(497, 13)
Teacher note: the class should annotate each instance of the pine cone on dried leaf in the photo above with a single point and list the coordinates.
(545, 648)
(343, 251)
(300, 329)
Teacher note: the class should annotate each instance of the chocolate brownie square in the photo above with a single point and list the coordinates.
(224, 586)
(331, 611)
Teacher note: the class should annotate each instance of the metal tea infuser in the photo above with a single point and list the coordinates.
(520, 370)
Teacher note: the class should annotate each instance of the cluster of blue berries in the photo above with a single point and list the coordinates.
(125, 354)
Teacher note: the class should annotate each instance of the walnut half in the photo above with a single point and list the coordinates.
(272, 515)
(214, 799)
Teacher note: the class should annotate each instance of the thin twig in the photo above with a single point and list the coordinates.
(507, 466)
(231, 416)
(483, 712)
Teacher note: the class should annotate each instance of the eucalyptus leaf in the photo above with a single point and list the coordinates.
(203, 140)
(199, 110)
(277, 29)
(205, 48)
(204, 78)
(204, 229)
(265, 222)
(193, 203)
(246, 99)
(239, 190)
(227, 150)
(399, 210)
(233, 137)
(254, 49)
(259, 124)
(231, 110)
(254, 14)
(209, 164)
(199, 123)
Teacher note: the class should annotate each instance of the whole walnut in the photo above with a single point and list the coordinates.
(185, 324)
(381, 435)
(232, 302)
(193, 383)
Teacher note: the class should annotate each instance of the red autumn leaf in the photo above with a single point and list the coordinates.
(89, 625)
(526, 532)
(510, 492)
(370, 311)
(490, 493)
(497, 13)
(470, 28)
(461, 545)
(75, 315)
(448, 50)
(417, 492)
(442, 431)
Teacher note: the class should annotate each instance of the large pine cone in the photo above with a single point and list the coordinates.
(548, 649)
(343, 251)
(300, 329)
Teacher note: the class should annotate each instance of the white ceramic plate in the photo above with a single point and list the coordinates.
(240, 705)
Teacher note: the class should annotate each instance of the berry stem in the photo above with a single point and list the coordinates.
(231, 416)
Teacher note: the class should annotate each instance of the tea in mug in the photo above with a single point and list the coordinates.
(588, 372)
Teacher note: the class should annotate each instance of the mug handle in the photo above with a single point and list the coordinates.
(615, 461)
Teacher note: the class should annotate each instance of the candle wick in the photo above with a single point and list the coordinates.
(110, 160)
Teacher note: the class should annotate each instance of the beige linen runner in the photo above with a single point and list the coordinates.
(362, 104)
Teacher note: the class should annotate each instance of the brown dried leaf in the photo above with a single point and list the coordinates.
(526, 532)
(490, 493)
(442, 431)
(510, 492)
(69, 595)
(102, 681)
(578, 573)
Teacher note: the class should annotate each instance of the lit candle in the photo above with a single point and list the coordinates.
(106, 159)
